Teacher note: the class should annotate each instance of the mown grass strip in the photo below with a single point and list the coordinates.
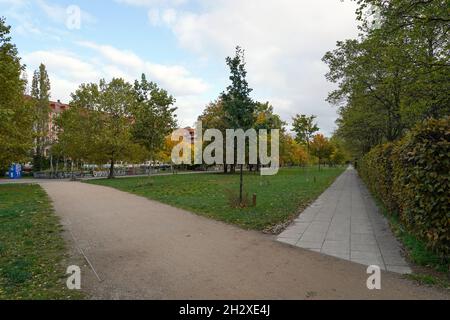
(31, 246)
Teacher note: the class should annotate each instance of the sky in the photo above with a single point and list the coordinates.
(182, 46)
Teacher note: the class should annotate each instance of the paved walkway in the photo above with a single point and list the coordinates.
(345, 223)
(142, 249)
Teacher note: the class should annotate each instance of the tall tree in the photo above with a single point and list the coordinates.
(321, 148)
(153, 114)
(292, 153)
(305, 127)
(40, 92)
(15, 111)
(267, 119)
(78, 132)
(422, 31)
(112, 104)
(213, 117)
(395, 74)
(238, 105)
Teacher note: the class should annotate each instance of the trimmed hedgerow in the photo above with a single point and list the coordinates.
(411, 177)
(377, 171)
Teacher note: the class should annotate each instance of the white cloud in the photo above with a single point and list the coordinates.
(64, 63)
(67, 71)
(174, 78)
(152, 3)
(58, 13)
(284, 42)
(169, 16)
(41, 19)
(154, 17)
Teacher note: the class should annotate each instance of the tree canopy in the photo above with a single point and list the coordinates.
(15, 111)
(40, 93)
(395, 74)
(304, 127)
(153, 114)
(116, 121)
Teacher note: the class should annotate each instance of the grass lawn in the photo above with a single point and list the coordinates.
(31, 246)
(279, 197)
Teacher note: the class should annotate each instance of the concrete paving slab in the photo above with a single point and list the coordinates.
(346, 223)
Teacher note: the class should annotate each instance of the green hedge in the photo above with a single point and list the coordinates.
(411, 177)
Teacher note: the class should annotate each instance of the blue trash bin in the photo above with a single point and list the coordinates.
(15, 171)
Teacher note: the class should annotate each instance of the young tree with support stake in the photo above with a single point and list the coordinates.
(238, 106)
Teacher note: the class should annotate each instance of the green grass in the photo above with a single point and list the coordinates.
(31, 246)
(430, 280)
(435, 271)
(279, 197)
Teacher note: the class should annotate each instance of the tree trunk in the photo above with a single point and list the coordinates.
(71, 171)
(241, 186)
(111, 169)
(57, 165)
(225, 168)
(51, 166)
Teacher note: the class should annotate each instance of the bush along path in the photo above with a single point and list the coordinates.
(411, 180)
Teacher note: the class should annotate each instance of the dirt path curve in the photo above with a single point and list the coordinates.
(146, 250)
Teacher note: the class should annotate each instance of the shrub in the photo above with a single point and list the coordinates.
(411, 178)
(377, 171)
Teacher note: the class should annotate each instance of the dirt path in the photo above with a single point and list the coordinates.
(146, 250)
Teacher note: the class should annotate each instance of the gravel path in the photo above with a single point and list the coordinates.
(143, 249)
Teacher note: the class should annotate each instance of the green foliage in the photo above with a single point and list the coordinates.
(15, 112)
(305, 128)
(214, 117)
(154, 115)
(238, 105)
(265, 118)
(321, 148)
(111, 122)
(78, 134)
(436, 269)
(338, 157)
(40, 93)
(377, 170)
(395, 74)
(411, 177)
(99, 126)
(422, 184)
